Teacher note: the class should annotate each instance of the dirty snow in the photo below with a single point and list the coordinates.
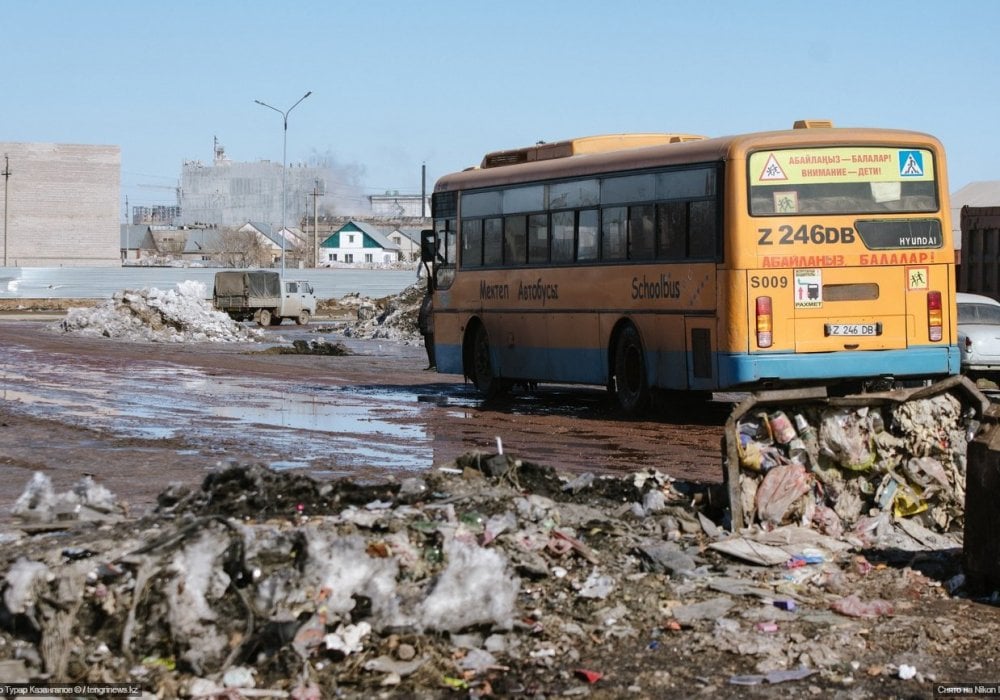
(186, 315)
(392, 318)
(152, 315)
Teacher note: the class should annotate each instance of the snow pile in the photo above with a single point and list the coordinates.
(86, 500)
(173, 316)
(392, 318)
(476, 588)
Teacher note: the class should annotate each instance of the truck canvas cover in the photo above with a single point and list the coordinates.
(256, 284)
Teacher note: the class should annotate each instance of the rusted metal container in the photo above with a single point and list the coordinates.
(981, 542)
(987, 480)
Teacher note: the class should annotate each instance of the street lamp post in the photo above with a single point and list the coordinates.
(284, 158)
(6, 179)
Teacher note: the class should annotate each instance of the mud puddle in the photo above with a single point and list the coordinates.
(290, 426)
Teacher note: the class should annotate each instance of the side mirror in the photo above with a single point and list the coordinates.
(427, 246)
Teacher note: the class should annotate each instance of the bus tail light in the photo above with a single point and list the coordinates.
(764, 337)
(934, 316)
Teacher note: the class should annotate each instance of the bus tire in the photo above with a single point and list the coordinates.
(483, 374)
(631, 385)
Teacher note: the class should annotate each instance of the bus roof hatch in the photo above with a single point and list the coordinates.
(581, 146)
(813, 124)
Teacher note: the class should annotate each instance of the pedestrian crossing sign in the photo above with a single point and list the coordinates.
(911, 164)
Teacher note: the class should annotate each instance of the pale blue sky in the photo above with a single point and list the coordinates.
(398, 83)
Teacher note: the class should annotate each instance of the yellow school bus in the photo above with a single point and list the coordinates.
(815, 255)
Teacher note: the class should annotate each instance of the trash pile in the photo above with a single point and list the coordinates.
(856, 471)
(391, 318)
(153, 315)
(489, 576)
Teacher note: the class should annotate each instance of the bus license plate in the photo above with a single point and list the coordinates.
(853, 329)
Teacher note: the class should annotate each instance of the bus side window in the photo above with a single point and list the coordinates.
(562, 236)
(493, 242)
(472, 243)
(450, 252)
(613, 239)
(587, 238)
(702, 230)
(538, 239)
(515, 245)
(671, 230)
(641, 238)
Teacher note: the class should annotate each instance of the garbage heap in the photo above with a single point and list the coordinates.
(392, 318)
(489, 576)
(856, 467)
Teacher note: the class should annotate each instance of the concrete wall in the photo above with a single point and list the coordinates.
(62, 205)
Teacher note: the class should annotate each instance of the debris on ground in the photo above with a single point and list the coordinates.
(490, 576)
(317, 346)
(179, 315)
(391, 318)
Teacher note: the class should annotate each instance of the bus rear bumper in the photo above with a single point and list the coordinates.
(744, 368)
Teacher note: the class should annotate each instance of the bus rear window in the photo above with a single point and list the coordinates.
(851, 180)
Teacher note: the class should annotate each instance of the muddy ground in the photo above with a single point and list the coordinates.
(392, 407)
(594, 614)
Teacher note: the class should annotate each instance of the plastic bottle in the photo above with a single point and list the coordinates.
(781, 427)
(797, 451)
(808, 437)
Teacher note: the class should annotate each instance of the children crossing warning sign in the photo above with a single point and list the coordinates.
(772, 169)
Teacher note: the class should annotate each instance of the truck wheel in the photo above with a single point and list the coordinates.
(303, 317)
(263, 317)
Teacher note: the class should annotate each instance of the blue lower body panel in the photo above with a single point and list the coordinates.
(744, 368)
(448, 358)
(670, 370)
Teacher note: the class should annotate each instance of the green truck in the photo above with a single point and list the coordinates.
(262, 295)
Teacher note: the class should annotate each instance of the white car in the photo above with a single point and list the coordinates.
(979, 333)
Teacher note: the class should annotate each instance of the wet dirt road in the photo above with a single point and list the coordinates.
(139, 416)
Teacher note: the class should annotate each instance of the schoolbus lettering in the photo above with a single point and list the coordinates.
(895, 258)
(662, 288)
(493, 292)
(781, 261)
(870, 157)
(539, 291)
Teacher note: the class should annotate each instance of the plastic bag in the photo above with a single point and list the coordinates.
(781, 487)
(844, 438)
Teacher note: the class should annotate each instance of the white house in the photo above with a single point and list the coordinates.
(358, 243)
(408, 240)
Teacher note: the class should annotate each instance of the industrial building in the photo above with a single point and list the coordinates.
(59, 205)
(230, 193)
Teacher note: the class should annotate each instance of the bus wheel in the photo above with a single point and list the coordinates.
(630, 383)
(483, 376)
